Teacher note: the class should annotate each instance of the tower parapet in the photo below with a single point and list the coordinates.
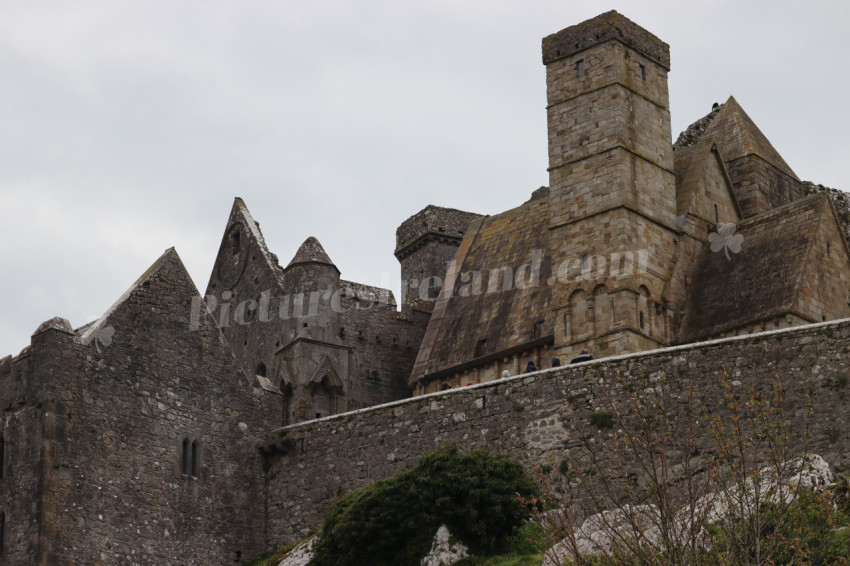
(425, 244)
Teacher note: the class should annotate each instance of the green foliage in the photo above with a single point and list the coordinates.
(477, 495)
(275, 558)
(503, 560)
(810, 531)
(602, 420)
(529, 538)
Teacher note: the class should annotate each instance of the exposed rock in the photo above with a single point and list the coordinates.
(599, 533)
(302, 554)
(445, 550)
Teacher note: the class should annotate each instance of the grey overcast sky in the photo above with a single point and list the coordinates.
(129, 127)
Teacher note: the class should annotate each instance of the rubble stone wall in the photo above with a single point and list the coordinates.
(527, 416)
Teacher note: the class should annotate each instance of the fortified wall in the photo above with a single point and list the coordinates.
(527, 416)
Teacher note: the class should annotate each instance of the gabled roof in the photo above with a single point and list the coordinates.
(169, 257)
(689, 163)
(760, 281)
(737, 136)
(465, 328)
(226, 270)
(311, 251)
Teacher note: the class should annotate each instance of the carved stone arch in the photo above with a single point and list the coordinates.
(577, 323)
(326, 373)
(326, 390)
(603, 311)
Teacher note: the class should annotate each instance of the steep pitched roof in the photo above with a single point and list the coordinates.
(242, 229)
(689, 163)
(311, 251)
(761, 280)
(464, 328)
(737, 136)
(169, 257)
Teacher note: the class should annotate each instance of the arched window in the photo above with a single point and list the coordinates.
(323, 399)
(195, 459)
(184, 460)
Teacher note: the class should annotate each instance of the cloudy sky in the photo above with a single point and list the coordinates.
(128, 127)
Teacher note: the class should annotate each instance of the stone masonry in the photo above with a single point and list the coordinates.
(526, 416)
(181, 429)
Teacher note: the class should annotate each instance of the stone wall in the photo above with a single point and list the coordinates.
(760, 186)
(96, 420)
(425, 244)
(526, 416)
(383, 344)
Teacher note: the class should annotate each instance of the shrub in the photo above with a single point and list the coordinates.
(477, 495)
(602, 420)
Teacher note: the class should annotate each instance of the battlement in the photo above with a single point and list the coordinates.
(605, 27)
(432, 222)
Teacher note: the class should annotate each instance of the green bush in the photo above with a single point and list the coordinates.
(477, 495)
(810, 531)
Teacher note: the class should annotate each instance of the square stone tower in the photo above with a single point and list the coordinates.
(613, 196)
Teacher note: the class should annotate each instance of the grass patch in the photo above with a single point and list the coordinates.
(505, 560)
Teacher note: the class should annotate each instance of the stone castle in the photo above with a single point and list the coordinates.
(153, 435)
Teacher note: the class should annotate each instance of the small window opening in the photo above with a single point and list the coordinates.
(580, 67)
(584, 262)
(261, 370)
(195, 459)
(318, 415)
(184, 460)
(716, 214)
(2, 532)
(2, 454)
(235, 242)
(827, 253)
(537, 330)
(641, 319)
(642, 72)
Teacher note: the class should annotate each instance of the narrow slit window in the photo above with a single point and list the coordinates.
(642, 72)
(195, 459)
(3, 449)
(716, 214)
(184, 460)
(580, 67)
(2, 533)
(641, 319)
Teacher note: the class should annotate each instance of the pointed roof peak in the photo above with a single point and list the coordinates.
(738, 136)
(168, 257)
(311, 251)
